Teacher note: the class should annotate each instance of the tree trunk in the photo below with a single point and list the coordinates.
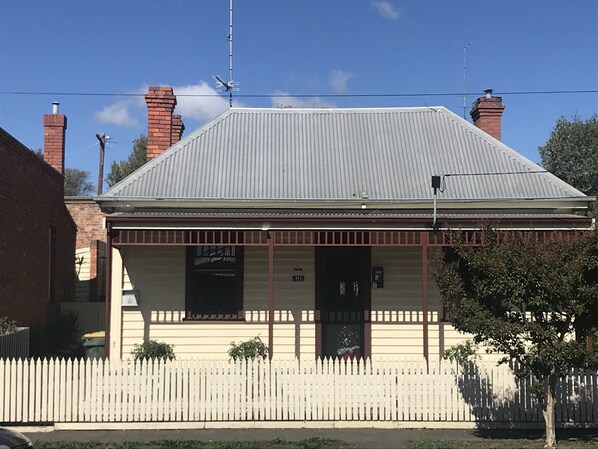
(549, 412)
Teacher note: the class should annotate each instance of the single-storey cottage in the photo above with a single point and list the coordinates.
(313, 229)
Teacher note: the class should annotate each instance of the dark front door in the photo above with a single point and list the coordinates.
(342, 300)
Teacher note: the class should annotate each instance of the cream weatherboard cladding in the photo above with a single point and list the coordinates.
(159, 274)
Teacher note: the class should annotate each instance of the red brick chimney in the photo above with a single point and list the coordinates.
(486, 113)
(160, 104)
(178, 127)
(54, 137)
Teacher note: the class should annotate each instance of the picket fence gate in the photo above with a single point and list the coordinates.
(99, 391)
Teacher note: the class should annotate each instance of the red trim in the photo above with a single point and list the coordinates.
(424, 242)
(318, 320)
(337, 238)
(108, 289)
(363, 219)
(240, 316)
(367, 330)
(270, 296)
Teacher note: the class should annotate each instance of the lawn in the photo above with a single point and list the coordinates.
(317, 443)
(311, 443)
(500, 444)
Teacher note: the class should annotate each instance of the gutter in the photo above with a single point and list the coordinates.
(131, 203)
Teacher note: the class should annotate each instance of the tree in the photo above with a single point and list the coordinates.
(137, 158)
(571, 153)
(77, 183)
(532, 300)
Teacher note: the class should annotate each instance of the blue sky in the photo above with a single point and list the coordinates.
(306, 47)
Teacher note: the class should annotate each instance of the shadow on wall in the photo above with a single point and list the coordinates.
(293, 316)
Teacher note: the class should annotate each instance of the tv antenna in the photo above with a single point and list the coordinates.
(465, 47)
(229, 85)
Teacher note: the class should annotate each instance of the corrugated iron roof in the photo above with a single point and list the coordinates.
(336, 154)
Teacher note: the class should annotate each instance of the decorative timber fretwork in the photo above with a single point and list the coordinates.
(393, 238)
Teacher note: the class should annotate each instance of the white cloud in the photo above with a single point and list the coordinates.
(338, 80)
(282, 100)
(207, 104)
(118, 114)
(201, 107)
(386, 9)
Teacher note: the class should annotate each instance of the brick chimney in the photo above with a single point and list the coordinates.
(160, 104)
(54, 138)
(178, 127)
(486, 113)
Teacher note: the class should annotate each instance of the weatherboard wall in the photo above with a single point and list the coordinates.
(159, 275)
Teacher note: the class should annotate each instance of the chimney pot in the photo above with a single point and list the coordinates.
(488, 93)
(55, 105)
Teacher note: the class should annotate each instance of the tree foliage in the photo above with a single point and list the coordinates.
(7, 326)
(137, 158)
(77, 183)
(533, 301)
(571, 153)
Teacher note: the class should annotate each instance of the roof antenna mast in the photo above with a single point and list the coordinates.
(230, 85)
(465, 47)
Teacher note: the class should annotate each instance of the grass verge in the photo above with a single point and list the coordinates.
(499, 444)
(311, 443)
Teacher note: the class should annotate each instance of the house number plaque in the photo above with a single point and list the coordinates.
(298, 275)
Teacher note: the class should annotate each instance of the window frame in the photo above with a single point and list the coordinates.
(237, 300)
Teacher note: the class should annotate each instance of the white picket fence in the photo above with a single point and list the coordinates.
(15, 344)
(97, 391)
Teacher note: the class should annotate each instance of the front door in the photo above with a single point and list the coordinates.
(342, 301)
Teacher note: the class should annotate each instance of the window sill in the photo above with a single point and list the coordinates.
(215, 317)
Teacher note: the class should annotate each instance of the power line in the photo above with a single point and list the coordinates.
(442, 186)
(497, 173)
(285, 95)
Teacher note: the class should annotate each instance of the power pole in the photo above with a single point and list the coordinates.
(102, 138)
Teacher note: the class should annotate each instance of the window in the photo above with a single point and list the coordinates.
(214, 282)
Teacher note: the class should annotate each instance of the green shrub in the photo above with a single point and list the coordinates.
(250, 349)
(462, 353)
(153, 349)
(7, 326)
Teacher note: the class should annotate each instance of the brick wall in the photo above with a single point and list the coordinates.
(54, 140)
(31, 203)
(486, 113)
(90, 235)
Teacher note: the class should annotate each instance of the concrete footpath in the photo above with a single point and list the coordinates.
(355, 438)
